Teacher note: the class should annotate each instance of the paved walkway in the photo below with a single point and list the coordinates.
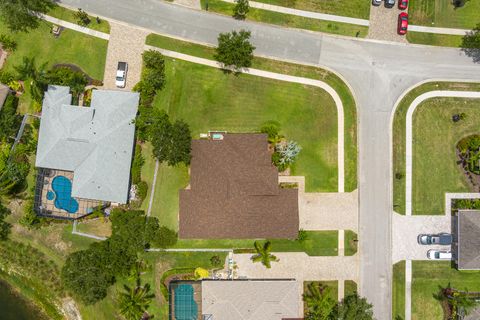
(341, 243)
(126, 44)
(409, 135)
(288, 78)
(408, 290)
(451, 31)
(305, 14)
(194, 4)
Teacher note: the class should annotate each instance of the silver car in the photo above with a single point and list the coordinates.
(443, 239)
(376, 2)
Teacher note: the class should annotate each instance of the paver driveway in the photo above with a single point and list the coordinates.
(126, 44)
(383, 23)
(405, 230)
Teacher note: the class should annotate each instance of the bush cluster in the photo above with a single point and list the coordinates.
(153, 77)
(88, 274)
(8, 43)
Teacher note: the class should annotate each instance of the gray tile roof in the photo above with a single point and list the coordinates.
(468, 237)
(96, 142)
(251, 299)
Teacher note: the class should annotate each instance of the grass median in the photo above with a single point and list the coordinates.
(433, 39)
(288, 20)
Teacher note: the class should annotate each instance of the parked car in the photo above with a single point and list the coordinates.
(376, 2)
(440, 239)
(402, 22)
(439, 254)
(402, 4)
(389, 3)
(121, 76)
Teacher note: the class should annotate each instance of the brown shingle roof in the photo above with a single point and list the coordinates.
(468, 236)
(234, 192)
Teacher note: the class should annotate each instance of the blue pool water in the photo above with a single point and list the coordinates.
(62, 187)
(50, 195)
(185, 307)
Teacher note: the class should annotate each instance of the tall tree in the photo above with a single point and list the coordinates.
(354, 307)
(28, 70)
(241, 9)
(181, 144)
(134, 301)
(319, 303)
(161, 135)
(235, 50)
(263, 254)
(23, 15)
(471, 43)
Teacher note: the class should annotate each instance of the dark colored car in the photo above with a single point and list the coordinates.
(389, 3)
(402, 23)
(435, 239)
(402, 4)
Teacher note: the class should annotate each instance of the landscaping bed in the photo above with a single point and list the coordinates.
(288, 20)
(399, 145)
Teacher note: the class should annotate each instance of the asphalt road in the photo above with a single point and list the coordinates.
(377, 72)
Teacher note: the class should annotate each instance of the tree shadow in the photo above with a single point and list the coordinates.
(471, 44)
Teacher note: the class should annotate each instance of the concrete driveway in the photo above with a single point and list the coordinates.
(405, 230)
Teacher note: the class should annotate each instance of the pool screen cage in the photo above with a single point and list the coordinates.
(45, 207)
(184, 305)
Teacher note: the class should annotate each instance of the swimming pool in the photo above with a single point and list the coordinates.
(185, 307)
(62, 187)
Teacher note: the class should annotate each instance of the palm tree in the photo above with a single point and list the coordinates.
(37, 76)
(319, 302)
(263, 254)
(134, 301)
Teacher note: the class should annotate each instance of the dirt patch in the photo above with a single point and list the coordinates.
(69, 308)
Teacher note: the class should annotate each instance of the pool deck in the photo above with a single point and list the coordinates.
(48, 206)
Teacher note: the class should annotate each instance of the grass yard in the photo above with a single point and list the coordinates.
(208, 98)
(288, 20)
(356, 8)
(333, 285)
(350, 287)
(85, 51)
(350, 242)
(398, 174)
(441, 13)
(99, 227)
(68, 15)
(296, 70)
(433, 39)
(398, 290)
(428, 276)
(435, 135)
(318, 243)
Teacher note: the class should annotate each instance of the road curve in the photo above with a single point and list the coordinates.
(378, 73)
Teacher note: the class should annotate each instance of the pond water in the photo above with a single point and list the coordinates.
(14, 307)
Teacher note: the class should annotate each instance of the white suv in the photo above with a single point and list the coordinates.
(121, 76)
(439, 254)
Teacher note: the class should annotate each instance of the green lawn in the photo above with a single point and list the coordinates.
(208, 98)
(68, 15)
(356, 8)
(318, 243)
(350, 242)
(435, 136)
(398, 295)
(296, 70)
(89, 53)
(433, 39)
(398, 174)
(350, 287)
(333, 285)
(441, 13)
(287, 20)
(428, 276)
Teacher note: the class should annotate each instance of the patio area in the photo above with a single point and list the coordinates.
(53, 196)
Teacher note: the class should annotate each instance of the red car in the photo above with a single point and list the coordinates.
(402, 23)
(402, 4)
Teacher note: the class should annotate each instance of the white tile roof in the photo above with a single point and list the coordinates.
(96, 142)
(250, 299)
